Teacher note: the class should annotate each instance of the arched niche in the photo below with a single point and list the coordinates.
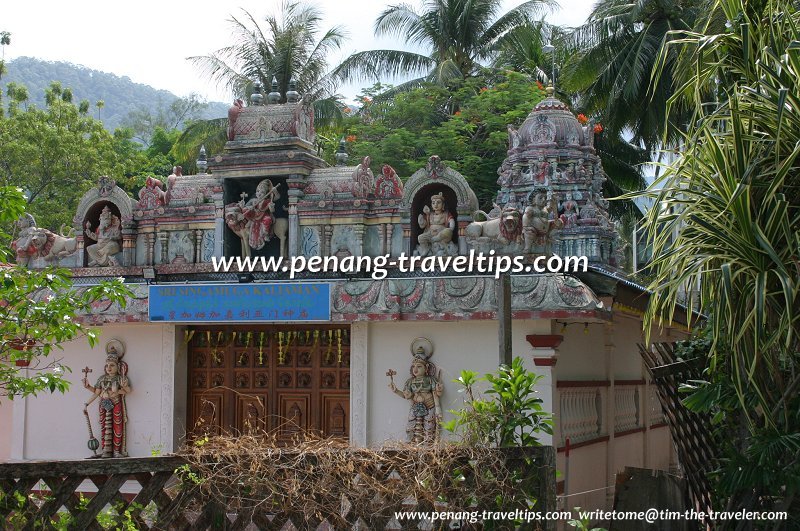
(434, 178)
(92, 216)
(106, 194)
(436, 172)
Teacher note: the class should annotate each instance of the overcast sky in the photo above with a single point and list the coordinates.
(149, 40)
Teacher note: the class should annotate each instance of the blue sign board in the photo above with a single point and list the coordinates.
(221, 303)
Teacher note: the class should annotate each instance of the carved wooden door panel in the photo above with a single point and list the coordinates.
(286, 379)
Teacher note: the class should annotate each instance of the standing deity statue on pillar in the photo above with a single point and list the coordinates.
(424, 389)
(111, 389)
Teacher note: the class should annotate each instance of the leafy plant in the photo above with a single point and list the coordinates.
(511, 416)
(725, 241)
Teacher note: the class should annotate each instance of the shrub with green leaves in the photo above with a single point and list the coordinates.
(510, 415)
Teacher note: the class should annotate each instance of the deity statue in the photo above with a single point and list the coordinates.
(542, 171)
(438, 226)
(537, 224)
(177, 171)
(111, 388)
(254, 221)
(233, 115)
(365, 181)
(108, 237)
(152, 195)
(513, 139)
(424, 389)
(570, 214)
(588, 213)
(22, 246)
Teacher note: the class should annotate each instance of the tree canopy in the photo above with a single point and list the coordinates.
(457, 37)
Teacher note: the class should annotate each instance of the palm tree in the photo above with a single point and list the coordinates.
(612, 66)
(457, 36)
(287, 46)
(523, 49)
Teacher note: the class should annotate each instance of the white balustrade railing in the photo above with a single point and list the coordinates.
(626, 408)
(581, 417)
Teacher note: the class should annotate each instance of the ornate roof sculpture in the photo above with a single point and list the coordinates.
(552, 181)
(270, 193)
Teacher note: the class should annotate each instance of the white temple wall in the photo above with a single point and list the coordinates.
(581, 355)
(609, 361)
(55, 426)
(458, 345)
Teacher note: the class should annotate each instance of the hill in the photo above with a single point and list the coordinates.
(120, 94)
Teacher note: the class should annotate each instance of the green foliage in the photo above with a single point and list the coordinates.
(456, 36)
(146, 122)
(288, 45)
(728, 220)
(56, 154)
(511, 416)
(37, 317)
(465, 125)
(17, 514)
(610, 67)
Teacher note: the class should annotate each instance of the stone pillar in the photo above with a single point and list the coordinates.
(163, 238)
(128, 244)
(358, 232)
(168, 347)
(219, 228)
(79, 249)
(294, 229)
(19, 416)
(327, 234)
(610, 410)
(462, 223)
(407, 243)
(198, 246)
(149, 248)
(389, 233)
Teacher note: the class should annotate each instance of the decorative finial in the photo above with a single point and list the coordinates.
(274, 96)
(256, 98)
(341, 155)
(550, 90)
(202, 160)
(292, 96)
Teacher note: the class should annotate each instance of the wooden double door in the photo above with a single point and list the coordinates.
(279, 379)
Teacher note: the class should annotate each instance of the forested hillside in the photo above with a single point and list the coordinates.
(120, 95)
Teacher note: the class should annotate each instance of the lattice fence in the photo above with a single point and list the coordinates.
(689, 430)
(42, 495)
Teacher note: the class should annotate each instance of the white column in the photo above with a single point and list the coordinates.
(294, 231)
(609, 421)
(167, 431)
(219, 228)
(543, 361)
(358, 383)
